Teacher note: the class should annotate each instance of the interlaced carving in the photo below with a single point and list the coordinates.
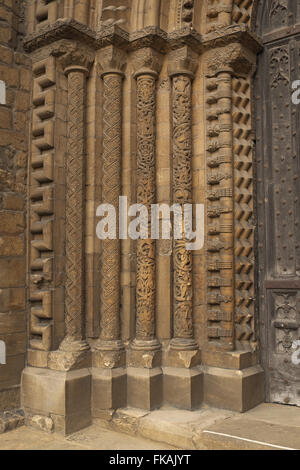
(74, 206)
(110, 285)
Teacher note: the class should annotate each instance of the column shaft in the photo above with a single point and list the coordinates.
(182, 194)
(146, 195)
(111, 249)
(75, 169)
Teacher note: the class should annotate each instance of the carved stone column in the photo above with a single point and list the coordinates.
(112, 61)
(184, 352)
(226, 287)
(109, 374)
(76, 67)
(61, 390)
(182, 194)
(146, 195)
(145, 348)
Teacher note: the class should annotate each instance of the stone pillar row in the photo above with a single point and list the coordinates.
(70, 384)
(144, 374)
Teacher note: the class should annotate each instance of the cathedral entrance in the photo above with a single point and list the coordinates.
(278, 198)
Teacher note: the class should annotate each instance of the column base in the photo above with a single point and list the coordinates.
(109, 390)
(183, 388)
(235, 390)
(62, 396)
(144, 388)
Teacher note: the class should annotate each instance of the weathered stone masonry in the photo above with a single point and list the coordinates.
(15, 73)
(153, 103)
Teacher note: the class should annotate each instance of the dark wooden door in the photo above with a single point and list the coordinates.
(278, 198)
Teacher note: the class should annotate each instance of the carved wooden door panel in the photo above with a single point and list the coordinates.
(278, 199)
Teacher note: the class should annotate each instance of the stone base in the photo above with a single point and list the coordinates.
(109, 390)
(236, 390)
(183, 388)
(65, 397)
(144, 388)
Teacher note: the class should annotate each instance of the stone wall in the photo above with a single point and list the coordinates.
(15, 72)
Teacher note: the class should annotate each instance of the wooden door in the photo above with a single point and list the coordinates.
(278, 198)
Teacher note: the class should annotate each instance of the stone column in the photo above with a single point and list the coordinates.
(144, 374)
(183, 338)
(109, 375)
(224, 365)
(61, 390)
(146, 195)
(184, 352)
(76, 68)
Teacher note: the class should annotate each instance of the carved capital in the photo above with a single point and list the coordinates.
(74, 57)
(233, 58)
(147, 61)
(112, 60)
(183, 61)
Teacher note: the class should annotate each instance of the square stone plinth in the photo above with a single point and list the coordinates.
(236, 390)
(183, 388)
(109, 390)
(144, 388)
(65, 397)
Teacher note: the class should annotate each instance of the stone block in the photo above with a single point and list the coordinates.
(63, 396)
(144, 388)
(109, 390)
(183, 388)
(236, 390)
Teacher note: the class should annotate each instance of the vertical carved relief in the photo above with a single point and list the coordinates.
(220, 269)
(183, 337)
(148, 66)
(283, 357)
(220, 264)
(145, 282)
(41, 206)
(112, 64)
(76, 65)
(243, 210)
(230, 230)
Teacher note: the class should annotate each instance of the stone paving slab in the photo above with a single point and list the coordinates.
(265, 427)
(92, 438)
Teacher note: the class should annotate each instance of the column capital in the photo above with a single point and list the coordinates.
(74, 57)
(233, 58)
(147, 61)
(183, 61)
(111, 60)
